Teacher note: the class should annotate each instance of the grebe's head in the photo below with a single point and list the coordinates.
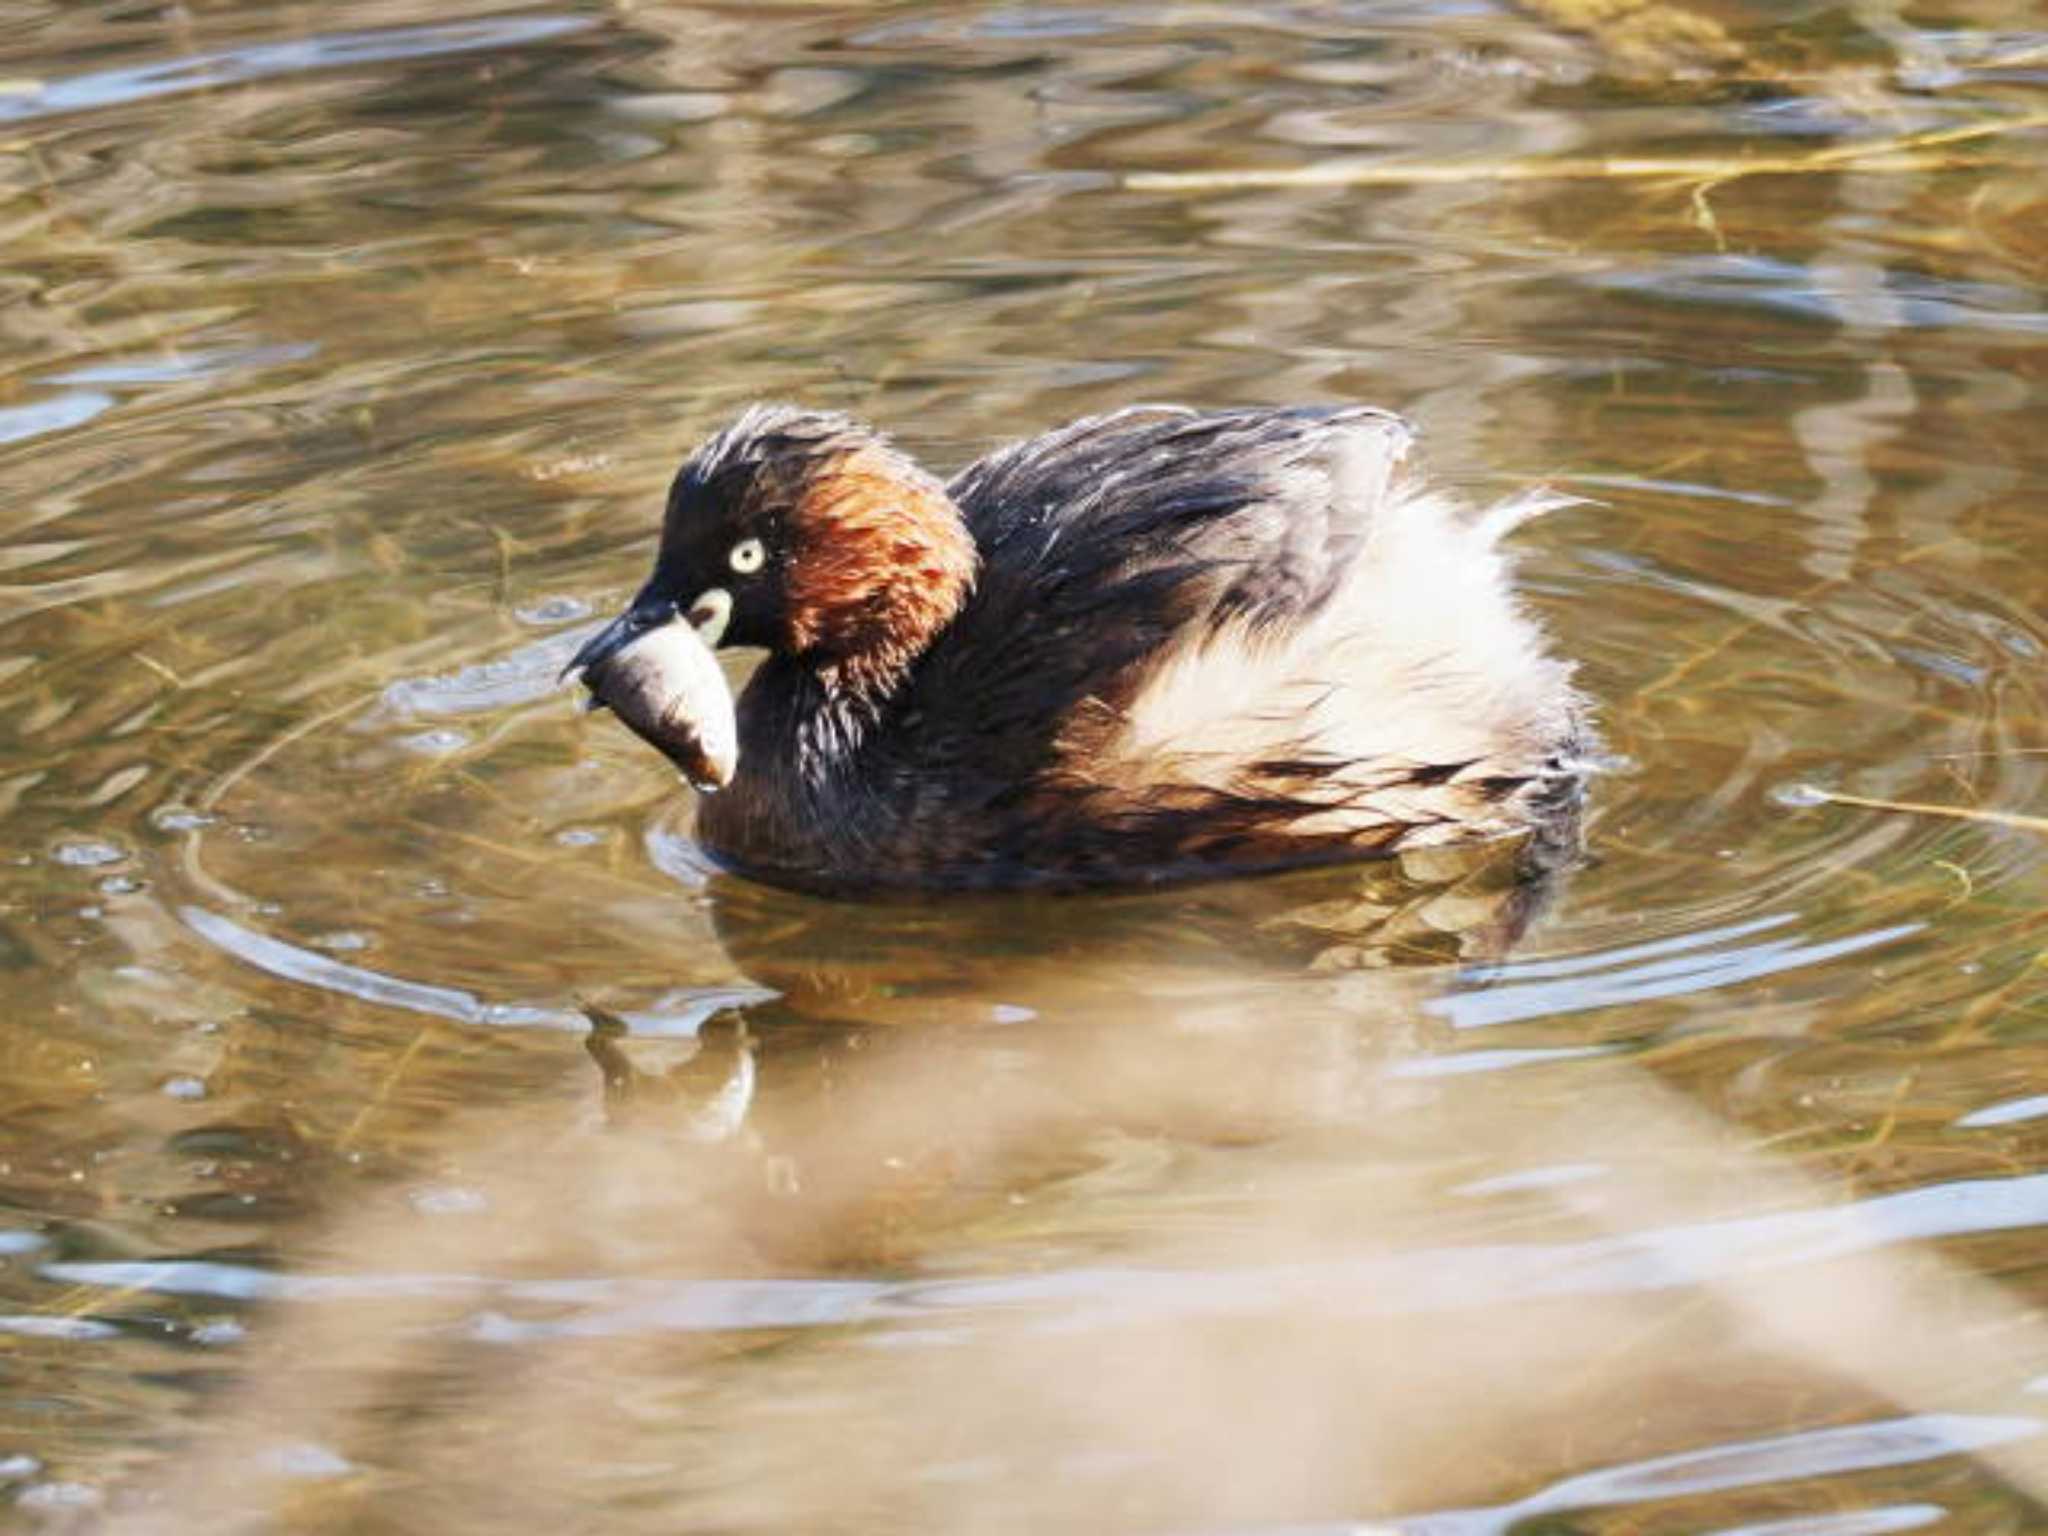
(808, 534)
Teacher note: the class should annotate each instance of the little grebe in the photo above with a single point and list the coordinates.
(1155, 644)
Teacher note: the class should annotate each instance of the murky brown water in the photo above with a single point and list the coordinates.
(346, 359)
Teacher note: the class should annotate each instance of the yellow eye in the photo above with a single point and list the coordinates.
(748, 556)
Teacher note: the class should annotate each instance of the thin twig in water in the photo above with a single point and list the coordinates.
(389, 1083)
(162, 671)
(1924, 808)
(1950, 867)
(1907, 153)
(212, 795)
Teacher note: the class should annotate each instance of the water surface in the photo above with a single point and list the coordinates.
(346, 362)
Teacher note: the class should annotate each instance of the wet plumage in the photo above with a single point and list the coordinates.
(1156, 644)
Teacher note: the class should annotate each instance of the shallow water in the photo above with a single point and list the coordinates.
(345, 367)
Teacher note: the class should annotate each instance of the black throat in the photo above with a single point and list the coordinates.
(798, 806)
(819, 717)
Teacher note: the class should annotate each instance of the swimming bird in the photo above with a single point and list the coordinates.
(1157, 644)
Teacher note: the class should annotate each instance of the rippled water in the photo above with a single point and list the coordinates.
(404, 1129)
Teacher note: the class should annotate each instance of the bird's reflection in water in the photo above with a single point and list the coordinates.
(1005, 1215)
(1247, 1004)
(1039, 1194)
(701, 1087)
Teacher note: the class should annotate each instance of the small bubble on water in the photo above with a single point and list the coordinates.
(83, 854)
(56, 1497)
(15, 1468)
(553, 610)
(309, 1461)
(449, 1200)
(119, 885)
(846, 145)
(184, 1086)
(495, 1328)
(341, 941)
(2015, 641)
(579, 837)
(1800, 796)
(435, 743)
(218, 1333)
(179, 818)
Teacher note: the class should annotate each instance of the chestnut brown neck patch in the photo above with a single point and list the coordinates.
(880, 561)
